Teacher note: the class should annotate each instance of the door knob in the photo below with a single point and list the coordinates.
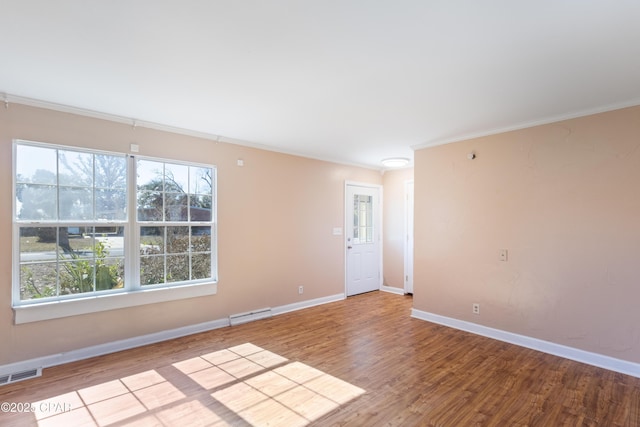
(348, 247)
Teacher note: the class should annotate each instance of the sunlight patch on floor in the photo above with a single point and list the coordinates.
(242, 385)
(292, 395)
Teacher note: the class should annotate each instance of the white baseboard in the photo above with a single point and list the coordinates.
(112, 347)
(391, 289)
(595, 359)
(306, 304)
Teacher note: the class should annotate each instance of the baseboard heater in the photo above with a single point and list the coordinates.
(19, 376)
(250, 316)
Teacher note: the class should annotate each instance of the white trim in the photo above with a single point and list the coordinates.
(129, 343)
(307, 304)
(529, 124)
(112, 347)
(392, 290)
(409, 222)
(595, 359)
(112, 301)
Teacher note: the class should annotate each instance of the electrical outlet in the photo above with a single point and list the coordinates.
(300, 290)
(476, 308)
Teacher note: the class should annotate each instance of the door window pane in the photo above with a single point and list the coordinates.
(362, 219)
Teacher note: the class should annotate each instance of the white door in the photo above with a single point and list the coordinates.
(408, 251)
(362, 209)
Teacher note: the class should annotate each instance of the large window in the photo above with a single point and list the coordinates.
(75, 234)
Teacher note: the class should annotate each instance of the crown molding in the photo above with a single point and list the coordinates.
(529, 124)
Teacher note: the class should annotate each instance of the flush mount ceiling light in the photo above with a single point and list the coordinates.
(395, 162)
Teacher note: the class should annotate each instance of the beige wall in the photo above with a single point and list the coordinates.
(276, 215)
(564, 199)
(393, 217)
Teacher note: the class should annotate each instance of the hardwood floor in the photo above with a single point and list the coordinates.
(358, 362)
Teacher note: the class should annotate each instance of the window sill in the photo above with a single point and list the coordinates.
(59, 309)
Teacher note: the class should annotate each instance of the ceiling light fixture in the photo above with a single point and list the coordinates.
(395, 162)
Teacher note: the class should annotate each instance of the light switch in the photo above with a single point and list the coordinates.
(337, 231)
(504, 255)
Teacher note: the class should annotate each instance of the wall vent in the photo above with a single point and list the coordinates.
(250, 316)
(19, 376)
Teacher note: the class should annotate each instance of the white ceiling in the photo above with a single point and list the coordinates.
(352, 81)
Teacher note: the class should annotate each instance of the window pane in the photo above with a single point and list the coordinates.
(176, 178)
(150, 175)
(36, 165)
(110, 172)
(38, 267)
(362, 219)
(76, 203)
(201, 266)
(72, 246)
(177, 268)
(150, 206)
(200, 208)
(200, 180)
(110, 274)
(109, 242)
(38, 280)
(175, 207)
(201, 239)
(151, 240)
(111, 204)
(76, 277)
(75, 168)
(36, 202)
(177, 240)
(151, 270)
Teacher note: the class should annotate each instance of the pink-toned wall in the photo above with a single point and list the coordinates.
(564, 200)
(393, 218)
(275, 221)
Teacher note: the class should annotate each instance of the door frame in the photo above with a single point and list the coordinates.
(349, 222)
(408, 232)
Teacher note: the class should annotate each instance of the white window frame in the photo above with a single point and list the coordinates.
(133, 294)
